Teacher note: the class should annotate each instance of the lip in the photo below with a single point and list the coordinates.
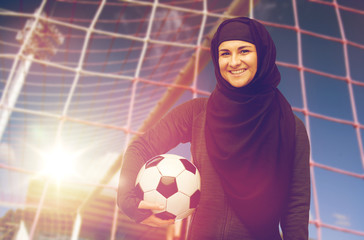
(237, 72)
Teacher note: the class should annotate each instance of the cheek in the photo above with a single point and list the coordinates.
(222, 64)
(255, 67)
(254, 64)
(255, 61)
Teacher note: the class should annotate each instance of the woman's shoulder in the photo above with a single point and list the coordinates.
(301, 132)
(187, 112)
(300, 126)
(199, 102)
(197, 105)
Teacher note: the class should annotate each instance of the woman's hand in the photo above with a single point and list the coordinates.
(152, 220)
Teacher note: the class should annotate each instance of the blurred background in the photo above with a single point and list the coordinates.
(80, 78)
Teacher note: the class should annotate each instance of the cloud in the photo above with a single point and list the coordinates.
(341, 220)
(164, 28)
(167, 22)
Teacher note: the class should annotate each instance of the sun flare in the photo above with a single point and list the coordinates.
(59, 163)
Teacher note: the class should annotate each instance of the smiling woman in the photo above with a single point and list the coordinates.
(251, 150)
(238, 62)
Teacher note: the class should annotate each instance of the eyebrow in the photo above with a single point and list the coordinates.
(239, 48)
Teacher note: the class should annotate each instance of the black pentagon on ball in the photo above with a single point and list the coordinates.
(165, 215)
(153, 161)
(188, 165)
(167, 186)
(195, 199)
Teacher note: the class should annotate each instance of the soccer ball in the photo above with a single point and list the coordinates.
(171, 181)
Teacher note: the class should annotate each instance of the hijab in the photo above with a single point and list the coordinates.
(250, 133)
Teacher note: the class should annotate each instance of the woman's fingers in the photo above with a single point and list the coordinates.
(148, 205)
(157, 222)
(152, 220)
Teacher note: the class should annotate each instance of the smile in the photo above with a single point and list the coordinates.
(237, 71)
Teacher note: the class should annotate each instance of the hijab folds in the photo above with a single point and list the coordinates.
(250, 132)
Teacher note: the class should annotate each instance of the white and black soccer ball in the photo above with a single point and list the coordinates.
(171, 181)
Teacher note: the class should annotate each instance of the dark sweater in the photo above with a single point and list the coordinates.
(213, 219)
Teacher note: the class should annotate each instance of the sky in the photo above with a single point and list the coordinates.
(103, 104)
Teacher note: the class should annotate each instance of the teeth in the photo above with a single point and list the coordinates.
(237, 71)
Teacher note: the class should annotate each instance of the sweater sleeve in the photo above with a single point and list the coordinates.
(171, 130)
(294, 222)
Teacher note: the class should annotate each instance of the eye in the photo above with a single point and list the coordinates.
(222, 54)
(245, 51)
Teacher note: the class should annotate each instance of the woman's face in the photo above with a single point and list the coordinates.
(238, 62)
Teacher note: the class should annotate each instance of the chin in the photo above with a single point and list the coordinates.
(239, 84)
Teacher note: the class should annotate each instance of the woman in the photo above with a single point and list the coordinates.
(251, 150)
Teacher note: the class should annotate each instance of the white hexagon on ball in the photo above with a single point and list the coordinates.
(188, 182)
(185, 214)
(155, 197)
(178, 203)
(150, 179)
(170, 167)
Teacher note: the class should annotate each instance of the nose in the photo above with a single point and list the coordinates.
(235, 60)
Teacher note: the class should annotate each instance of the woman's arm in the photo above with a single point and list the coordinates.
(294, 222)
(171, 130)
